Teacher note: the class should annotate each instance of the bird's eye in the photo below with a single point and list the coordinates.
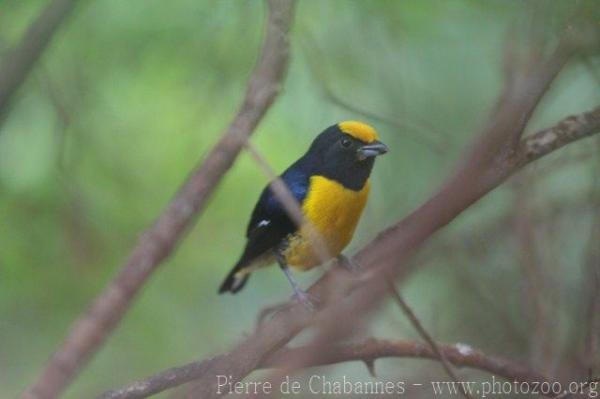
(346, 142)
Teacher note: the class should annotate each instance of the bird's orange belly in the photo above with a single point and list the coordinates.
(334, 212)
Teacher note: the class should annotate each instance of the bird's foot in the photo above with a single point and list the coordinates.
(348, 264)
(310, 302)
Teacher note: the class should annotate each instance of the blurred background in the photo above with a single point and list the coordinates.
(130, 95)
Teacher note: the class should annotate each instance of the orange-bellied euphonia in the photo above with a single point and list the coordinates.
(331, 184)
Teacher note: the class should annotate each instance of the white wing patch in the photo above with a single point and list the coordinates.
(263, 223)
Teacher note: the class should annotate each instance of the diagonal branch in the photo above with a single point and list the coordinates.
(89, 332)
(21, 59)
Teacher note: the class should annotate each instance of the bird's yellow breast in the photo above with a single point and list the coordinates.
(334, 212)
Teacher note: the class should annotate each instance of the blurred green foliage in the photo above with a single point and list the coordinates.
(131, 94)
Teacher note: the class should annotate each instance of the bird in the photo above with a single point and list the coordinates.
(331, 184)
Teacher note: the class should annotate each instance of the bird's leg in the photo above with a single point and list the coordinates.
(299, 294)
(348, 263)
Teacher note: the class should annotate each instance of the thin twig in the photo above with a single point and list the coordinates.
(89, 332)
(414, 320)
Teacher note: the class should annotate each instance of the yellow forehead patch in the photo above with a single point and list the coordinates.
(359, 130)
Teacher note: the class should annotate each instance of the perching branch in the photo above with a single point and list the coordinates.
(89, 332)
(20, 60)
(367, 350)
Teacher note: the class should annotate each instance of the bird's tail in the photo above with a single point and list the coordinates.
(234, 282)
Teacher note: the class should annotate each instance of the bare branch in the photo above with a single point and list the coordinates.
(367, 350)
(89, 332)
(20, 60)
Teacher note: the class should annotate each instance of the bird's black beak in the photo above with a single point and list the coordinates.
(371, 150)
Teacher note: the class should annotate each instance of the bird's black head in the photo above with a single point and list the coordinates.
(345, 152)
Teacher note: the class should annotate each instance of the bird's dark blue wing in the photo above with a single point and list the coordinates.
(269, 225)
(270, 212)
